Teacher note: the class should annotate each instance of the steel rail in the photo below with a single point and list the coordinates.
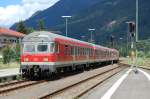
(46, 96)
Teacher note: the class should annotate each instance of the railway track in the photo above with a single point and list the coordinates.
(12, 86)
(11, 83)
(80, 88)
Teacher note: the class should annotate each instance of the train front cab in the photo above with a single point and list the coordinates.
(38, 59)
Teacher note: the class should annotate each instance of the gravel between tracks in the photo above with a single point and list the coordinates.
(34, 92)
(73, 92)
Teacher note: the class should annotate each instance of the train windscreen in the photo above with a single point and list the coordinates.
(29, 48)
(42, 48)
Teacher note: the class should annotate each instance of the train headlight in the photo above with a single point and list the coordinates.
(26, 59)
(45, 59)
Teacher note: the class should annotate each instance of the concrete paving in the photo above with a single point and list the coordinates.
(9, 72)
(134, 86)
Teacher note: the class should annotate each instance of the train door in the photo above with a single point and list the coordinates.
(74, 57)
(57, 50)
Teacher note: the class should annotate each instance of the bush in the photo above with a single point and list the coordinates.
(17, 52)
(141, 54)
(8, 54)
(148, 55)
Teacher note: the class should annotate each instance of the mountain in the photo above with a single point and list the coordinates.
(52, 15)
(106, 16)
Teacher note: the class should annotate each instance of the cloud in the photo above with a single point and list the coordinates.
(14, 13)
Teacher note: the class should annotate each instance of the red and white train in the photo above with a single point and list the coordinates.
(45, 53)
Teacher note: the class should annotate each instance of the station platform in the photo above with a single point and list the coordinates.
(9, 72)
(124, 85)
(135, 86)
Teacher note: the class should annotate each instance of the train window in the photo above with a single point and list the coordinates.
(52, 46)
(90, 52)
(42, 48)
(83, 51)
(72, 50)
(56, 48)
(69, 50)
(66, 49)
(87, 51)
(76, 51)
(80, 51)
(96, 52)
(29, 48)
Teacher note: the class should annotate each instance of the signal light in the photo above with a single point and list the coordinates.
(132, 34)
(131, 27)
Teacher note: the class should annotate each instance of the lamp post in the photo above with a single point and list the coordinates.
(137, 19)
(66, 19)
(137, 23)
(91, 31)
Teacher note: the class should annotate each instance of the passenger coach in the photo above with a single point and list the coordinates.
(44, 53)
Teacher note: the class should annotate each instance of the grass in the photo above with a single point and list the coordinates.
(141, 62)
(10, 65)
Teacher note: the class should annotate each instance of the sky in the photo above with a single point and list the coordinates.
(12, 11)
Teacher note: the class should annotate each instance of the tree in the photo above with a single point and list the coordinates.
(21, 27)
(40, 24)
(30, 30)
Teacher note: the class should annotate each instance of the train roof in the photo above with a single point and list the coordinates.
(47, 36)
